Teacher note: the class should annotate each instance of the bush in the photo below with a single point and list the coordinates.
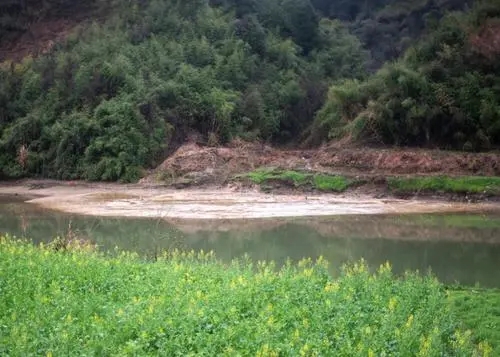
(442, 93)
(104, 104)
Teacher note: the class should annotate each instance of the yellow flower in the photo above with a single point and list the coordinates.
(462, 338)
(425, 344)
(392, 303)
(329, 287)
(266, 351)
(384, 268)
(409, 322)
(304, 350)
(485, 349)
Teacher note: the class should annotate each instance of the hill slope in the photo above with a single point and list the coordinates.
(443, 92)
(116, 96)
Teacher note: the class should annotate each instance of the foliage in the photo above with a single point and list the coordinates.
(484, 185)
(189, 304)
(116, 95)
(479, 310)
(331, 183)
(387, 27)
(444, 92)
(299, 179)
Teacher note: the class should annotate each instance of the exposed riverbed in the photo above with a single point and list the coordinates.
(459, 242)
(225, 203)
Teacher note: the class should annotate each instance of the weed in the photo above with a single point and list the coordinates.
(479, 310)
(331, 183)
(473, 184)
(298, 179)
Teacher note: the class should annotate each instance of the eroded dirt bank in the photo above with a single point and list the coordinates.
(194, 165)
(210, 190)
(114, 200)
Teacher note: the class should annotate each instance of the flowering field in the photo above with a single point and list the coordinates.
(78, 302)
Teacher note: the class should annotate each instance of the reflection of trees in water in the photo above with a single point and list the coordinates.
(428, 240)
(467, 262)
(24, 223)
(146, 237)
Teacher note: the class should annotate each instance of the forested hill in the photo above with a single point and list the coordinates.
(114, 94)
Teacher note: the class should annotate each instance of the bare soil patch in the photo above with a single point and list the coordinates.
(39, 39)
(215, 192)
(196, 165)
(114, 200)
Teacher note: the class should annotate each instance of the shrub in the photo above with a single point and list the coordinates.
(103, 104)
(443, 93)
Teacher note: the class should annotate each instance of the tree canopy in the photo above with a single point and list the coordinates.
(121, 91)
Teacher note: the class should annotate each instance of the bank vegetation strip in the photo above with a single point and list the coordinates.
(395, 184)
(66, 299)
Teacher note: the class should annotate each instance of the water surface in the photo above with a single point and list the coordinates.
(462, 248)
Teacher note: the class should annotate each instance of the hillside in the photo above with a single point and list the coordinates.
(112, 88)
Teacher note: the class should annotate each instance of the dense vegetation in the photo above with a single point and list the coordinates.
(108, 101)
(120, 93)
(57, 301)
(479, 310)
(443, 92)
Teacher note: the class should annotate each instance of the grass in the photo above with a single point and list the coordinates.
(299, 179)
(479, 310)
(471, 184)
(78, 302)
(331, 183)
(334, 183)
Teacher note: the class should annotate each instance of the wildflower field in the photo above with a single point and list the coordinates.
(76, 302)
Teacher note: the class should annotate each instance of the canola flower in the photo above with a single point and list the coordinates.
(188, 303)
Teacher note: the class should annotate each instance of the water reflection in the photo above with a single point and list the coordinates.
(458, 248)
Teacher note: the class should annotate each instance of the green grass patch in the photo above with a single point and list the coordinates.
(264, 175)
(299, 179)
(472, 184)
(479, 310)
(78, 302)
(331, 183)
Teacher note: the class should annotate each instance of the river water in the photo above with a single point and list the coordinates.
(458, 248)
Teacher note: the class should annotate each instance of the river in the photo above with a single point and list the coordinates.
(458, 247)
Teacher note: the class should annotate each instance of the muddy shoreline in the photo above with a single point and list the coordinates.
(218, 202)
